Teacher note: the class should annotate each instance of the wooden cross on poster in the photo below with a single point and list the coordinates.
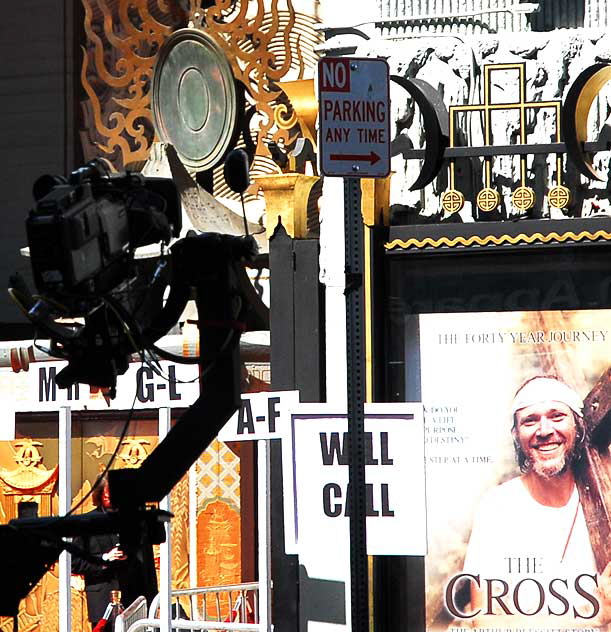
(593, 475)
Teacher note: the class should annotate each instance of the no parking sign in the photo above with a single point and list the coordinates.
(354, 120)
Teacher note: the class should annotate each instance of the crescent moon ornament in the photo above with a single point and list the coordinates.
(435, 120)
(575, 112)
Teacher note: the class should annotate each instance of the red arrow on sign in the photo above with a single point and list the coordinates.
(371, 157)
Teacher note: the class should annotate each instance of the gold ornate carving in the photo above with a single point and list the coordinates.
(27, 455)
(488, 240)
(122, 39)
(133, 451)
(180, 533)
(452, 201)
(270, 51)
(29, 481)
(264, 44)
(375, 201)
(220, 545)
(303, 108)
(286, 200)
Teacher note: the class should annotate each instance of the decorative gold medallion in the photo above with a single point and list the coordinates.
(488, 199)
(523, 198)
(559, 197)
(452, 201)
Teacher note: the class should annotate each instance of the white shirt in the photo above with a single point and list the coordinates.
(517, 540)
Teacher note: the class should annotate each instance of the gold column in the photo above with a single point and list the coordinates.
(375, 208)
(375, 201)
(286, 201)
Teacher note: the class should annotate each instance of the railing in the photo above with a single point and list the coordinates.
(232, 607)
(136, 611)
(186, 624)
(240, 601)
(405, 17)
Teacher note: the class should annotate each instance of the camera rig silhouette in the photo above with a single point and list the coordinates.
(120, 309)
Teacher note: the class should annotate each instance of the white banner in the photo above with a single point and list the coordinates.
(141, 386)
(172, 385)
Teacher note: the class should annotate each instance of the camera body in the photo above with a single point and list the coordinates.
(95, 300)
(74, 238)
(83, 231)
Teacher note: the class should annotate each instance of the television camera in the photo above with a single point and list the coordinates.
(99, 303)
(94, 296)
(84, 229)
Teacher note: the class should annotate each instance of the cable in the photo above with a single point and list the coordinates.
(98, 480)
(13, 293)
(113, 456)
(54, 353)
(52, 302)
(118, 311)
(168, 355)
(124, 317)
(246, 234)
(156, 368)
(196, 359)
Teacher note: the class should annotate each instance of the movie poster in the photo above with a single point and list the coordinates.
(499, 558)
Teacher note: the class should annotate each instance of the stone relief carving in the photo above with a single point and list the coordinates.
(455, 68)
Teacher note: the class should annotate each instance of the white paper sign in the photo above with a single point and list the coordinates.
(394, 472)
(168, 385)
(262, 416)
(141, 386)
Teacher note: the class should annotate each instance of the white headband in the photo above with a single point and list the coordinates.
(542, 389)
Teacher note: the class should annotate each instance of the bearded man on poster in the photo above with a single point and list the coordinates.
(529, 559)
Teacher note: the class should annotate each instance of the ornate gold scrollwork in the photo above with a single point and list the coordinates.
(116, 73)
(263, 45)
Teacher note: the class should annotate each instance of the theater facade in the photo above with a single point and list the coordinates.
(485, 262)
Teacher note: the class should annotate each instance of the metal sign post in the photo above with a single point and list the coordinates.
(65, 500)
(354, 142)
(165, 548)
(355, 356)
